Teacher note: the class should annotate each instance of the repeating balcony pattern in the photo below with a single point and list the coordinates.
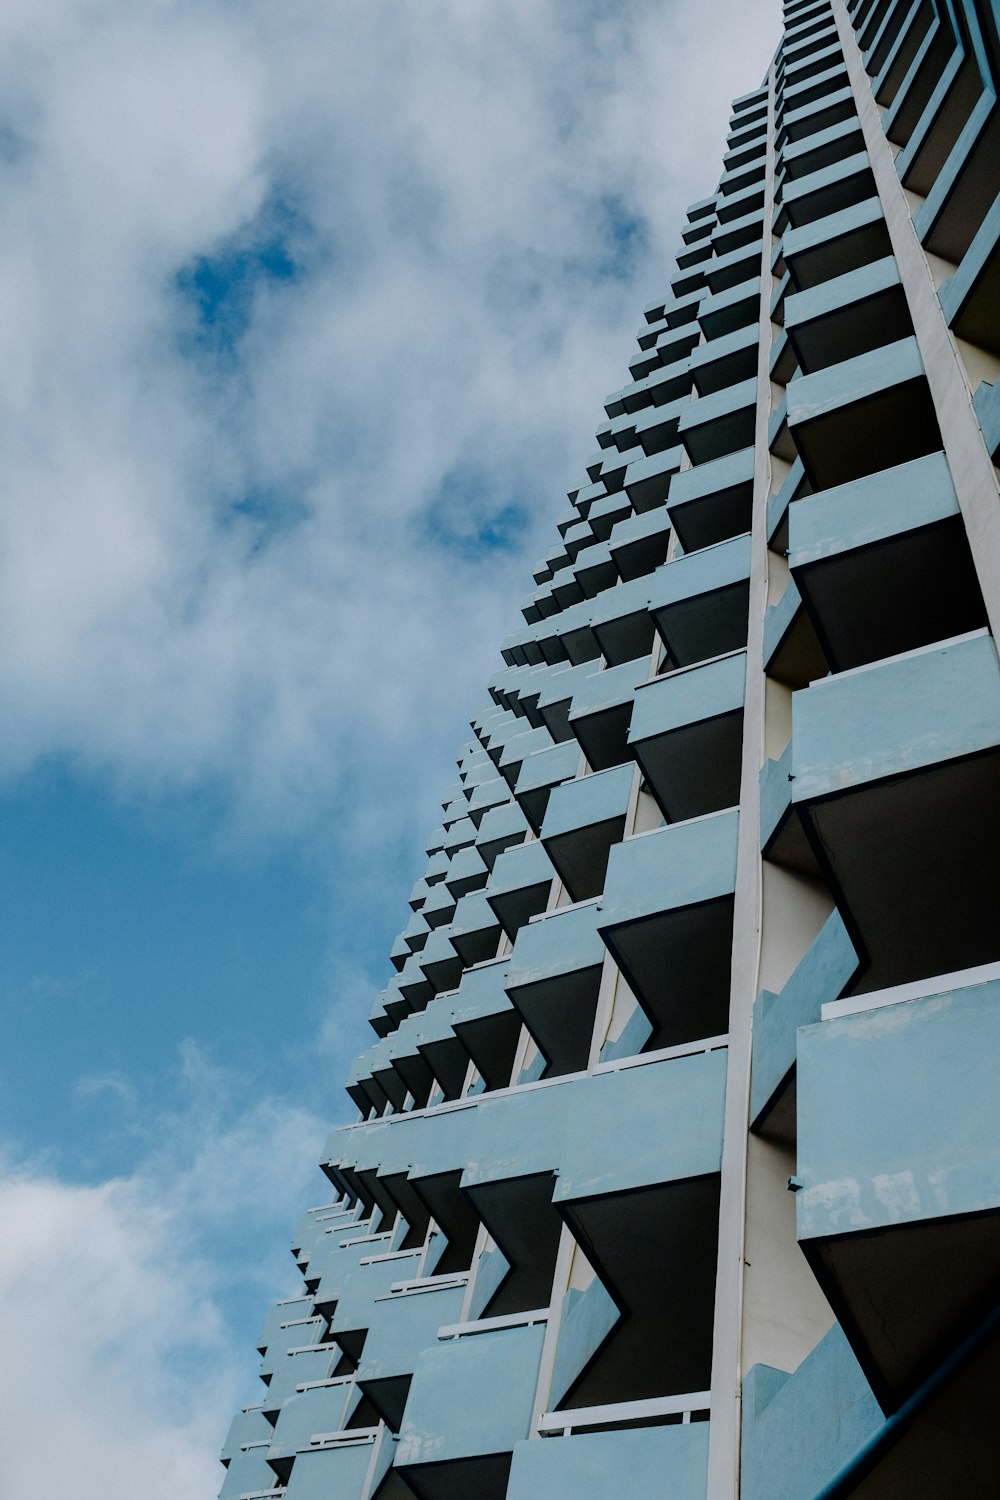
(675, 1167)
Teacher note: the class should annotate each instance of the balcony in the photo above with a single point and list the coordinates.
(893, 544)
(602, 708)
(553, 982)
(849, 315)
(834, 245)
(400, 1327)
(583, 819)
(699, 602)
(687, 735)
(667, 917)
(486, 1024)
(594, 1465)
(519, 886)
(895, 777)
(640, 544)
(899, 1119)
(540, 773)
(712, 502)
(720, 423)
(861, 415)
(470, 1402)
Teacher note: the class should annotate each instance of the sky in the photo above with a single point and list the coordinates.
(307, 312)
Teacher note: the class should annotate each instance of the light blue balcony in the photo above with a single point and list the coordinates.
(583, 819)
(641, 1195)
(467, 872)
(438, 910)
(248, 1473)
(720, 423)
(822, 148)
(818, 1419)
(871, 411)
(894, 546)
(300, 1368)
(519, 886)
(848, 315)
(639, 544)
(441, 1048)
(488, 794)
(826, 191)
(556, 696)
(474, 930)
(414, 987)
(594, 570)
(470, 1403)
(647, 479)
(687, 735)
(899, 1165)
(540, 773)
(821, 976)
(339, 1468)
(895, 775)
(731, 309)
(602, 710)
(667, 916)
(401, 1326)
(700, 602)
(517, 748)
(593, 1466)
(248, 1427)
(304, 1416)
(621, 624)
(712, 502)
(486, 1022)
(553, 981)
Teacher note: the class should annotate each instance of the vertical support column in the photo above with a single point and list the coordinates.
(724, 1440)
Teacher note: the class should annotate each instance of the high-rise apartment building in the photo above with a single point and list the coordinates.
(677, 1165)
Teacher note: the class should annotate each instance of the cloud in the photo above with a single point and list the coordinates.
(305, 312)
(124, 1357)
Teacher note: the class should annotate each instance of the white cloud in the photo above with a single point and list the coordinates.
(121, 1367)
(449, 179)
(250, 561)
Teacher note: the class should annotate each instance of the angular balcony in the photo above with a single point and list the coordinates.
(602, 709)
(648, 477)
(640, 544)
(474, 930)
(895, 777)
(841, 242)
(517, 748)
(667, 916)
(440, 1047)
(865, 414)
(555, 698)
(641, 1198)
(687, 735)
(847, 316)
(720, 423)
(539, 774)
(553, 982)
(583, 819)
(302, 1417)
(712, 502)
(726, 361)
(621, 624)
(899, 1119)
(486, 1023)
(700, 601)
(467, 872)
(337, 1464)
(470, 1402)
(593, 1465)
(519, 886)
(883, 564)
(401, 1326)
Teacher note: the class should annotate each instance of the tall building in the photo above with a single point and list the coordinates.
(677, 1164)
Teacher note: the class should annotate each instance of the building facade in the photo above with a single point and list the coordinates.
(677, 1165)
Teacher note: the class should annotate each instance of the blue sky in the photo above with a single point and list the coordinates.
(307, 315)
